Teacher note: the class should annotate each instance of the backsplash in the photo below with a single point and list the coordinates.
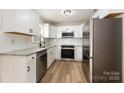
(12, 42)
(72, 41)
(69, 41)
(65, 41)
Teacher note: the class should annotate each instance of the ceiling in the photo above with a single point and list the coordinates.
(56, 16)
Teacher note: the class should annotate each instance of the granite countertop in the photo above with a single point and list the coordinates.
(26, 52)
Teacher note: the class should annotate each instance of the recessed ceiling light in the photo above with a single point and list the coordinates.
(67, 12)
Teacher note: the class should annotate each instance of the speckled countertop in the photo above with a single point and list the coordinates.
(26, 52)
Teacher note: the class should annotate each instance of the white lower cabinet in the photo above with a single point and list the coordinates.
(50, 56)
(31, 72)
(18, 69)
(58, 52)
(78, 53)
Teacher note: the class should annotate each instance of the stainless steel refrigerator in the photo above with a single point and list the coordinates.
(106, 50)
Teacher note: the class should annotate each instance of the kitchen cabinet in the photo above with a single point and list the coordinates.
(102, 13)
(78, 31)
(35, 23)
(58, 52)
(59, 31)
(78, 53)
(49, 31)
(31, 68)
(52, 31)
(46, 30)
(20, 21)
(50, 56)
(18, 69)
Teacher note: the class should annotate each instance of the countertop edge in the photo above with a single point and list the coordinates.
(28, 54)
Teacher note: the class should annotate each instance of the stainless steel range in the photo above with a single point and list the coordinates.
(67, 52)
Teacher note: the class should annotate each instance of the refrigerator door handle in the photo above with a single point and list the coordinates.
(93, 60)
(90, 57)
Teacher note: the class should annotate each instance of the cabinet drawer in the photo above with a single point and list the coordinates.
(31, 58)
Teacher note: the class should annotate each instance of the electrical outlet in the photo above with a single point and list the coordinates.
(12, 41)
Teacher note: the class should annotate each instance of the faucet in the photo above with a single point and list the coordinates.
(41, 43)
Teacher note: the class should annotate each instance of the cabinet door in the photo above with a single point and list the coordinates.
(46, 30)
(34, 23)
(52, 32)
(80, 30)
(54, 49)
(76, 31)
(51, 56)
(59, 31)
(78, 54)
(20, 21)
(48, 58)
(23, 20)
(31, 72)
(8, 20)
(58, 52)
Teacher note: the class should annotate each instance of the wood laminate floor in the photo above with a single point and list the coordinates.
(65, 72)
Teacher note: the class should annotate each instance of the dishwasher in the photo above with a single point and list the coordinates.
(41, 64)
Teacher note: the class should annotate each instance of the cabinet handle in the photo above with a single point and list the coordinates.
(28, 68)
(32, 57)
(31, 30)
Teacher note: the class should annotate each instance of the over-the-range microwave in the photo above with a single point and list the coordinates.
(67, 34)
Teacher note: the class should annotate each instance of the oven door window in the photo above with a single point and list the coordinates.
(67, 53)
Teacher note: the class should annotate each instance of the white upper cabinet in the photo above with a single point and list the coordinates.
(59, 31)
(52, 31)
(35, 23)
(102, 13)
(21, 21)
(49, 31)
(46, 30)
(78, 31)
